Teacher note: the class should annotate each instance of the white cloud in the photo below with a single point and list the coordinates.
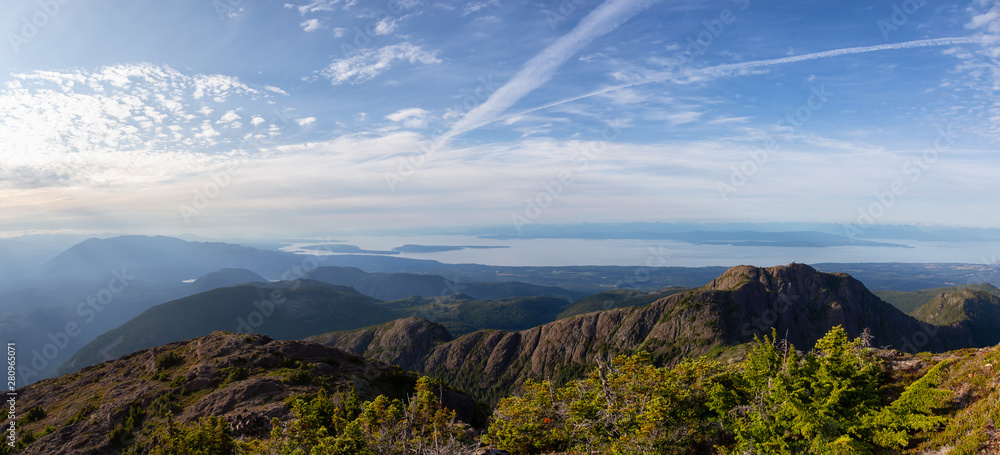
(231, 119)
(371, 62)
(311, 25)
(118, 125)
(338, 32)
(274, 89)
(385, 26)
(413, 118)
(305, 121)
(476, 6)
(316, 6)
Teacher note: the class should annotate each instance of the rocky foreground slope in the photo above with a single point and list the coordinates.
(243, 378)
(798, 302)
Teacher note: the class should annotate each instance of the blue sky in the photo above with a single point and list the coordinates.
(241, 118)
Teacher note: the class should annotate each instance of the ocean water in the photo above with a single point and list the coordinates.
(566, 252)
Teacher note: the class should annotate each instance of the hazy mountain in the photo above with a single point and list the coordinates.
(283, 310)
(393, 286)
(243, 378)
(158, 260)
(295, 310)
(461, 314)
(224, 278)
(798, 302)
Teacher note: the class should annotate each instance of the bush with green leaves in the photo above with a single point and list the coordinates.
(207, 436)
(832, 400)
(324, 425)
(628, 406)
(827, 401)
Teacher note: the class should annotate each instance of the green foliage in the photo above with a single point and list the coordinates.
(124, 432)
(167, 360)
(825, 402)
(626, 407)
(913, 410)
(177, 381)
(32, 415)
(831, 400)
(207, 436)
(298, 377)
(236, 374)
(342, 425)
(165, 405)
(83, 413)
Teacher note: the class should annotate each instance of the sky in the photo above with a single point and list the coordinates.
(239, 118)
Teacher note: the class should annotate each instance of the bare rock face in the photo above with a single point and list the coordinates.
(795, 301)
(243, 378)
(400, 342)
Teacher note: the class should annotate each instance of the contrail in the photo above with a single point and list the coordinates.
(604, 19)
(722, 70)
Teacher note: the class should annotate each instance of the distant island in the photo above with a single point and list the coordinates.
(346, 249)
(410, 248)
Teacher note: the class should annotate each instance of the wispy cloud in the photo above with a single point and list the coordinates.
(414, 117)
(541, 68)
(745, 67)
(369, 63)
(311, 25)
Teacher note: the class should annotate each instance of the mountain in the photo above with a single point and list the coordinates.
(302, 308)
(243, 378)
(967, 314)
(222, 279)
(461, 314)
(283, 310)
(394, 286)
(619, 298)
(909, 301)
(796, 301)
(400, 342)
(157, 260)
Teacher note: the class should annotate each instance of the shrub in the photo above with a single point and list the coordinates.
(167, 360)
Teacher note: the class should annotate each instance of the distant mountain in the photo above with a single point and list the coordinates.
(394, 286)
(224, 278)
(461, 314)
(158, 260)
(796, 301)
(909, 301)
(243, 378)
(295, 310)
(282, 310)
(967, 314)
